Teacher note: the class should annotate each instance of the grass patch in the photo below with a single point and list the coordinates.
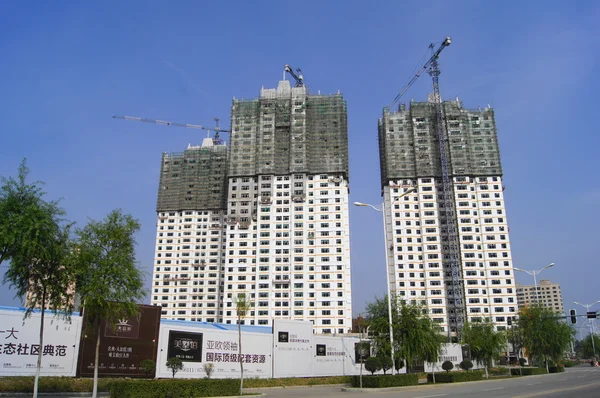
(528, 371)
(455, 377)
(381, 381)
(499, 371)
(295, 381)
(176, 388)
(51, 384)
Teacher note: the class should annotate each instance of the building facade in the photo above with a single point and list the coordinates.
(416, 219)
(274, 225)
(190, 238)
(548, 295)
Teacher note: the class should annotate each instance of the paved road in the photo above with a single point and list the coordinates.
(575, 382)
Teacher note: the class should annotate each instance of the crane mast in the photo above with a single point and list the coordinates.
(451, 249)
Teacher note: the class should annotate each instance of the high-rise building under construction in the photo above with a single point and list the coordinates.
(268, 218)
(419, 267)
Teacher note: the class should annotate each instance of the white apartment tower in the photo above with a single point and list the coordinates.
(419, 270)
(281, 233)
(190, 237)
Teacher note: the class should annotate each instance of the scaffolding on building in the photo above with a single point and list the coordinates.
(408, 144)
(287, 131)
(194, 179)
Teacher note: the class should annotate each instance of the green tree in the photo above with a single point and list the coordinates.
(514, 335)
(545, 335)
(447, 366)
(209, 368)
(242, 306)
(587, 347)
(148, 366)
(373, 364)
(466, 365)
(175, 364)
(484, 341)
(385, 360)
(36, 241)
(398, 364)
(108, 279)
(416, 337)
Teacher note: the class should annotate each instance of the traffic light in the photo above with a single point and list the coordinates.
(573, 314)
(592, 315)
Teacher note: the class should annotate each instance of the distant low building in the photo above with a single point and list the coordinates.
(549, 293)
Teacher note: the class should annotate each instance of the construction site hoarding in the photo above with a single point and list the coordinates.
(199, 344)
(336, 355)
(293, 348)
(122, 346)
(19, 343)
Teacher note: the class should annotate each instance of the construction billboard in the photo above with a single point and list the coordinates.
(122, 346)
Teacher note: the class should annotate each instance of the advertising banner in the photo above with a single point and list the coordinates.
(335, 356)
(186, 346)
(293, 348)
(450, 352)
(198, 344)
(19, 344)
(123, 346)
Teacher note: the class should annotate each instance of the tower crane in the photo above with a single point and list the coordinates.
(298, 77)
(217, 130)
(451, 248)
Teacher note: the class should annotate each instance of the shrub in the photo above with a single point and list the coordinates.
(372, 364)
(466, 365)
(386, 363)
(527, 371)
(556, 369)
(174, 388)
(398, 364)
(295, 381)
(569, 364)
(209, 368)
(499, 371)
(174, 364)
(24, 384)
(148, 366)
(382, 381)
(455, 377)
(447, 366)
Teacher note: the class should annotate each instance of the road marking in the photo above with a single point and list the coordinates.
(430, 396)
(492, 389)
(579, 377)
(533, 384)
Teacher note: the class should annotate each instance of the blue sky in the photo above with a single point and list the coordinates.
(67, 67)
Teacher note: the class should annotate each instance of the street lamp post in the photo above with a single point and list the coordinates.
(535, 273)
(381, 209)
(361, 348)
(591, 323)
